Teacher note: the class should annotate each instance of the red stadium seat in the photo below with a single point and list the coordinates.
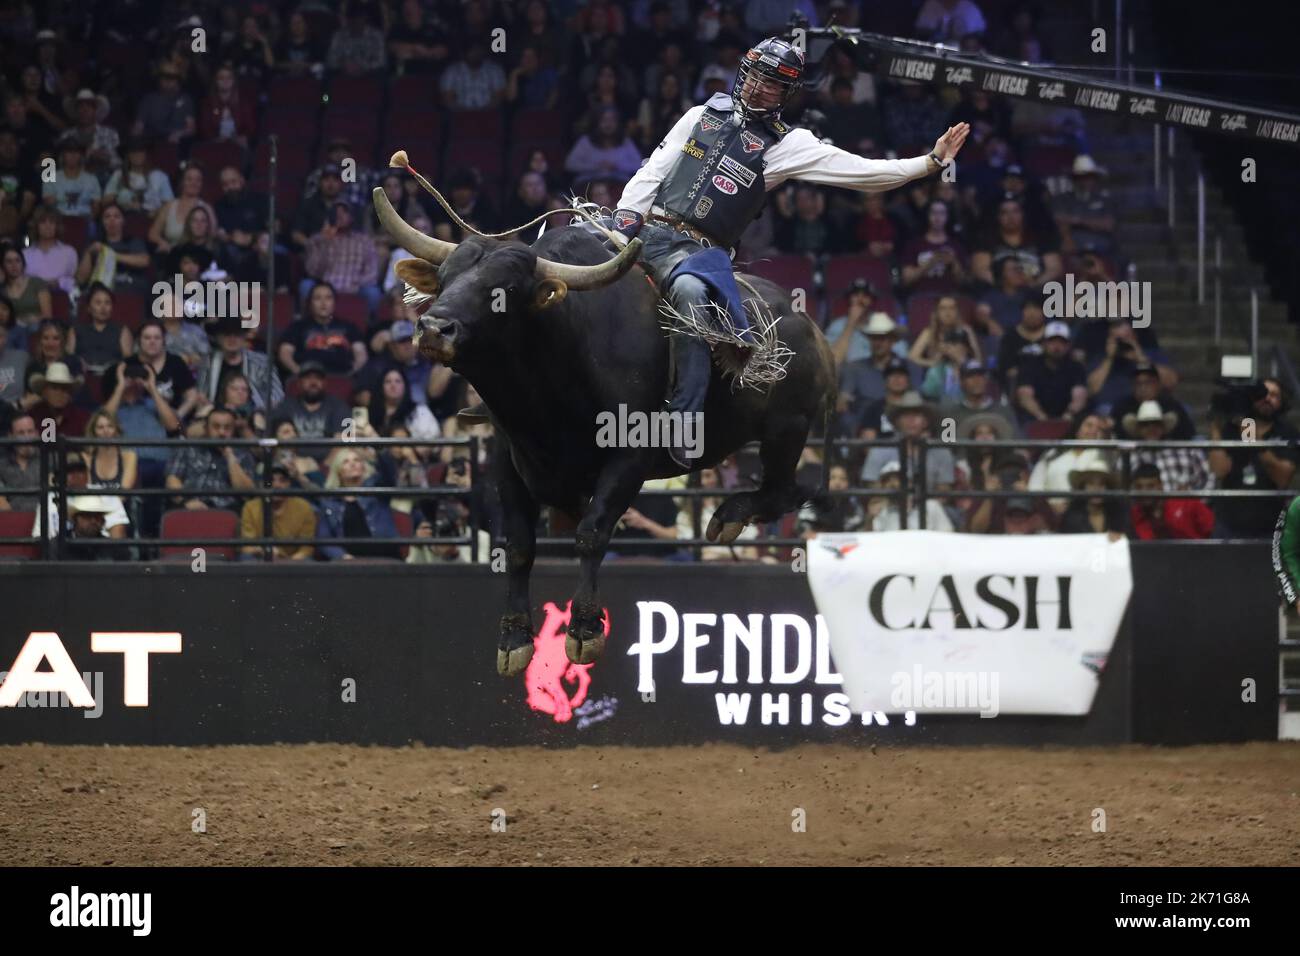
(402, 521)
(356, 92)
(1047, 431)
(289, 94)
(340, 386)
(60, 307)
(921, 306)
(842, 270)
(1047, 160)
(214, 156)
(789, 272)
(207, 523)
(353, 309)
(18, 524)
(131, 308)
(486, 158)
(284, 314)
(166, 157)
(529, 126)
(137, 225)
(413, 94)
(477, 124)
(522, 150)
(76, 231)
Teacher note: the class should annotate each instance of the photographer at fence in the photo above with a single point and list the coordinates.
(1248, 468)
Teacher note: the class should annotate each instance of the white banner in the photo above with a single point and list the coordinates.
(964, 623)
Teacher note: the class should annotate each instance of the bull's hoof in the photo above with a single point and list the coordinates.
(514, 661)
(731, 531)
(584, 649)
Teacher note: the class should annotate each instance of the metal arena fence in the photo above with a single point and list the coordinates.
(911, 495)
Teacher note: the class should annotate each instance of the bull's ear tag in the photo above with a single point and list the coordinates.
(548, 292)
(418, 274)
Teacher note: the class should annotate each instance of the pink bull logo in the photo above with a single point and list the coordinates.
(550, 674)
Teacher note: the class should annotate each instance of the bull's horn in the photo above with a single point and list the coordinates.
(590, 277)
(407, 236)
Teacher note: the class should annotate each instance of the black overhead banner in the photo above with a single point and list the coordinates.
(934, 63)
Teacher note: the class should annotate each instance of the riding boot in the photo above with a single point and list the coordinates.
(692, 365)
(474, 415)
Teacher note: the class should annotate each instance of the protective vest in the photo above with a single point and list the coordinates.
(716, 184)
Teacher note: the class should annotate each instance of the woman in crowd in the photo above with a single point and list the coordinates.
(48, 257)
(111, 467)
(169, 224)
(392, 406)
(138, 186)
(1052, 471)
(237, 395)
(223, 115)
(304, 471)
(355, 516)
(100, 341)
(708, 505)
(659, 113)
(946, 319)
(29, 295)
(1094, 515)
(114, 260)
(604, 152)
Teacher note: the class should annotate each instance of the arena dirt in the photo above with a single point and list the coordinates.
(345, 805)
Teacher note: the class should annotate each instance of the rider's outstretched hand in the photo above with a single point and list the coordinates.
(947, 145)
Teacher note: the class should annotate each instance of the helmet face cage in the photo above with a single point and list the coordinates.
(773, 61)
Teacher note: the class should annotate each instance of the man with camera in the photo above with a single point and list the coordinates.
(1111, 378)
(1254, 413)
(212, 468)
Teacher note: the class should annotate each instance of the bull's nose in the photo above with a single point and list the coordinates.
(437, 328)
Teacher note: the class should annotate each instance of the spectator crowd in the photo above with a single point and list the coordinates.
(135, 148)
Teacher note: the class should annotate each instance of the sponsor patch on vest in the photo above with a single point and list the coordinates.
(752, 143)
(624, 219)
(728, 186)
(690, 149)
(702, 207)
(709, 123)
(740, 173)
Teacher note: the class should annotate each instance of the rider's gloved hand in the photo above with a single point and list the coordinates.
(628, 222)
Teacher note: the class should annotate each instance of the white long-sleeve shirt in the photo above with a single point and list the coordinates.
(799, 155)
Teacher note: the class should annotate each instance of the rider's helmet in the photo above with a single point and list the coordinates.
(773, 61)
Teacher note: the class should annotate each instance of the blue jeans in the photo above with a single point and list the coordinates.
(663, 249)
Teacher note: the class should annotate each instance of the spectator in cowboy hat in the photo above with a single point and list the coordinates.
(1094, 515)
(1181, 469)
(1147, 387)
(862, 381)
(100, 142)
(167, 113)
(116, 524)
(1052, 471)
(233, 356)
(1053, 385)
(914, 419)
(56, 386)
(883, 513)
(1086, 216)
(88, 514)
(1165, 518)
(848, 333)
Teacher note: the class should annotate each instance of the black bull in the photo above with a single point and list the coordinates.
(548, 361)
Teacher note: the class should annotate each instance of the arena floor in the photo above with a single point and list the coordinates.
(347, 805)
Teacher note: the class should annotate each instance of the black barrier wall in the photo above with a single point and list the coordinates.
(389, 654)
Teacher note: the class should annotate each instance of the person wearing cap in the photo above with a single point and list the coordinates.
(343, 257)
(913, 418)
(1008, 515)
(314, 211)
(934, 261)
(315, 413)
(100, 142)
(1163, 519)
(464, 189)
(321, 337)
(88, 515)
(1095, 515)
(56, 386)
(1016, 185)
(1053, 469)
(74, 191)
(847, 334)
(1086, 215)
(357, 192)
(862, 381)
(1111, 377)
(166, 113)
(871, 420)
(394, 347)
(883, 514)
(1053, 385)
(1147, 387)
(233, 356)
(1181, 469)
(116, 524)
(292, 518)
(975, 398)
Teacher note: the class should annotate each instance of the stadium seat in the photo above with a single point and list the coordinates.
(402, 521)
(1046, 160)
(840, 271)
(60, 306)
(364, 93)
(205, 523)
(137, 225)
(485, 157)
(529, 126)
(921, 306)
(789, 272)
(353, 309)
(165, 156)
(1047, 431)
(361, 128)
(76, 231)
(476, 125)
(420, 134)
(131, 308)
(289, 94)
(522, 150)
(213, 156)
(340, 386)
(413, 94)
(18, 524)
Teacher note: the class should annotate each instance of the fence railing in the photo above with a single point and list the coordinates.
(51, 536)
